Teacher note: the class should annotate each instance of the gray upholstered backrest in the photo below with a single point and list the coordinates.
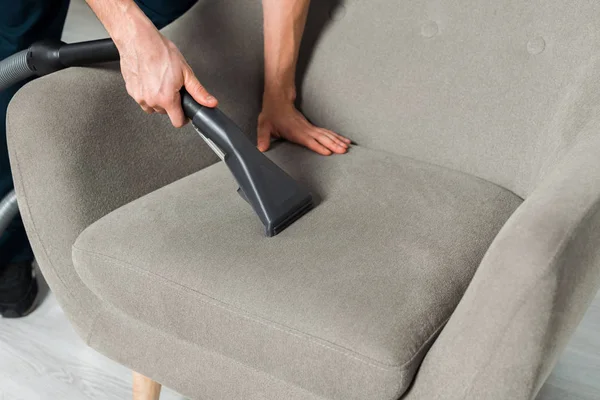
(496, 88)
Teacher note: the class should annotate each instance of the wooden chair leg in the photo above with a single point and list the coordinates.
(145, 388)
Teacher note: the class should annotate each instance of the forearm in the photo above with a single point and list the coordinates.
(284, 22)
(123, 19)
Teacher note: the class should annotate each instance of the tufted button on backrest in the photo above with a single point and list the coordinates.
(429, 29)
(478, 86)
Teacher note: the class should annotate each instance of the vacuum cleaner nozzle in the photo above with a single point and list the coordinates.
(277, 198)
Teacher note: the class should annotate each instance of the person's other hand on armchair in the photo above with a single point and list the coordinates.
(284, 22)
(154, 71)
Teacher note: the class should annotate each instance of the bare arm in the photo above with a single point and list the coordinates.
(153, 68)
(284, 22)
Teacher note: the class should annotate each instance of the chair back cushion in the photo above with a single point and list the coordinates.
(495, 88)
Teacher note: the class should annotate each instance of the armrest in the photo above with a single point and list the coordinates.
(529, 293)
(81, 147)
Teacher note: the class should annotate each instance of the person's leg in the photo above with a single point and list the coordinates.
(163, 12)
(22, 22)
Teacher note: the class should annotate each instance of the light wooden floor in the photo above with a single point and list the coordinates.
(577, 374)
(41, 357)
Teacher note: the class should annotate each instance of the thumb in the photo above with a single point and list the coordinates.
(263, 137)
(197, 91)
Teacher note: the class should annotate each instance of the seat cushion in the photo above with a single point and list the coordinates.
(344, 303)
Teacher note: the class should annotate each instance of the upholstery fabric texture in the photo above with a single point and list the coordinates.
(343, 303)
(81, 147)
(195, 371)
(529, 293)
(497, 89)
(497, 94)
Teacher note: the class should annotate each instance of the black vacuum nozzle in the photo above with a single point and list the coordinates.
(277, 198)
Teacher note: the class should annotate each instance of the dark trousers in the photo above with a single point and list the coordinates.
(23, 22)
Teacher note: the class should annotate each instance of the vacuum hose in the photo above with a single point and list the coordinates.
(49, 56)
(8, 210)
(43, 58)
(14, 69)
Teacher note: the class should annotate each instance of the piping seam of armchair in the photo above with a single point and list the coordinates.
(447, 168)
(285, 329)
(25, 205)
(88, 339)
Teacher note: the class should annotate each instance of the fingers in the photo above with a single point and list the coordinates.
(334, 136)
(263, 137)
(317, 147)
(328, 140)
(197, 91)
(170, 103)
(172, 107)
(288, 123)
(334, 143)
(307, 140)
(340, 137)
(175, 111)
(320, 140)
(147, 109)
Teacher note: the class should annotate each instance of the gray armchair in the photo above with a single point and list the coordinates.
(453, 251)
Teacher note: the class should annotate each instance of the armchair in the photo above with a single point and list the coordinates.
(454, 249)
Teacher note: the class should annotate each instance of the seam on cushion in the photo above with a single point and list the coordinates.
(88, 339)
(211, 351)
(285, 329)
(431, 164)
(17, 171)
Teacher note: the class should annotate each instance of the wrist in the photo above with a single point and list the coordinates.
(280, 93)
(135, 27)
(124, 21)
